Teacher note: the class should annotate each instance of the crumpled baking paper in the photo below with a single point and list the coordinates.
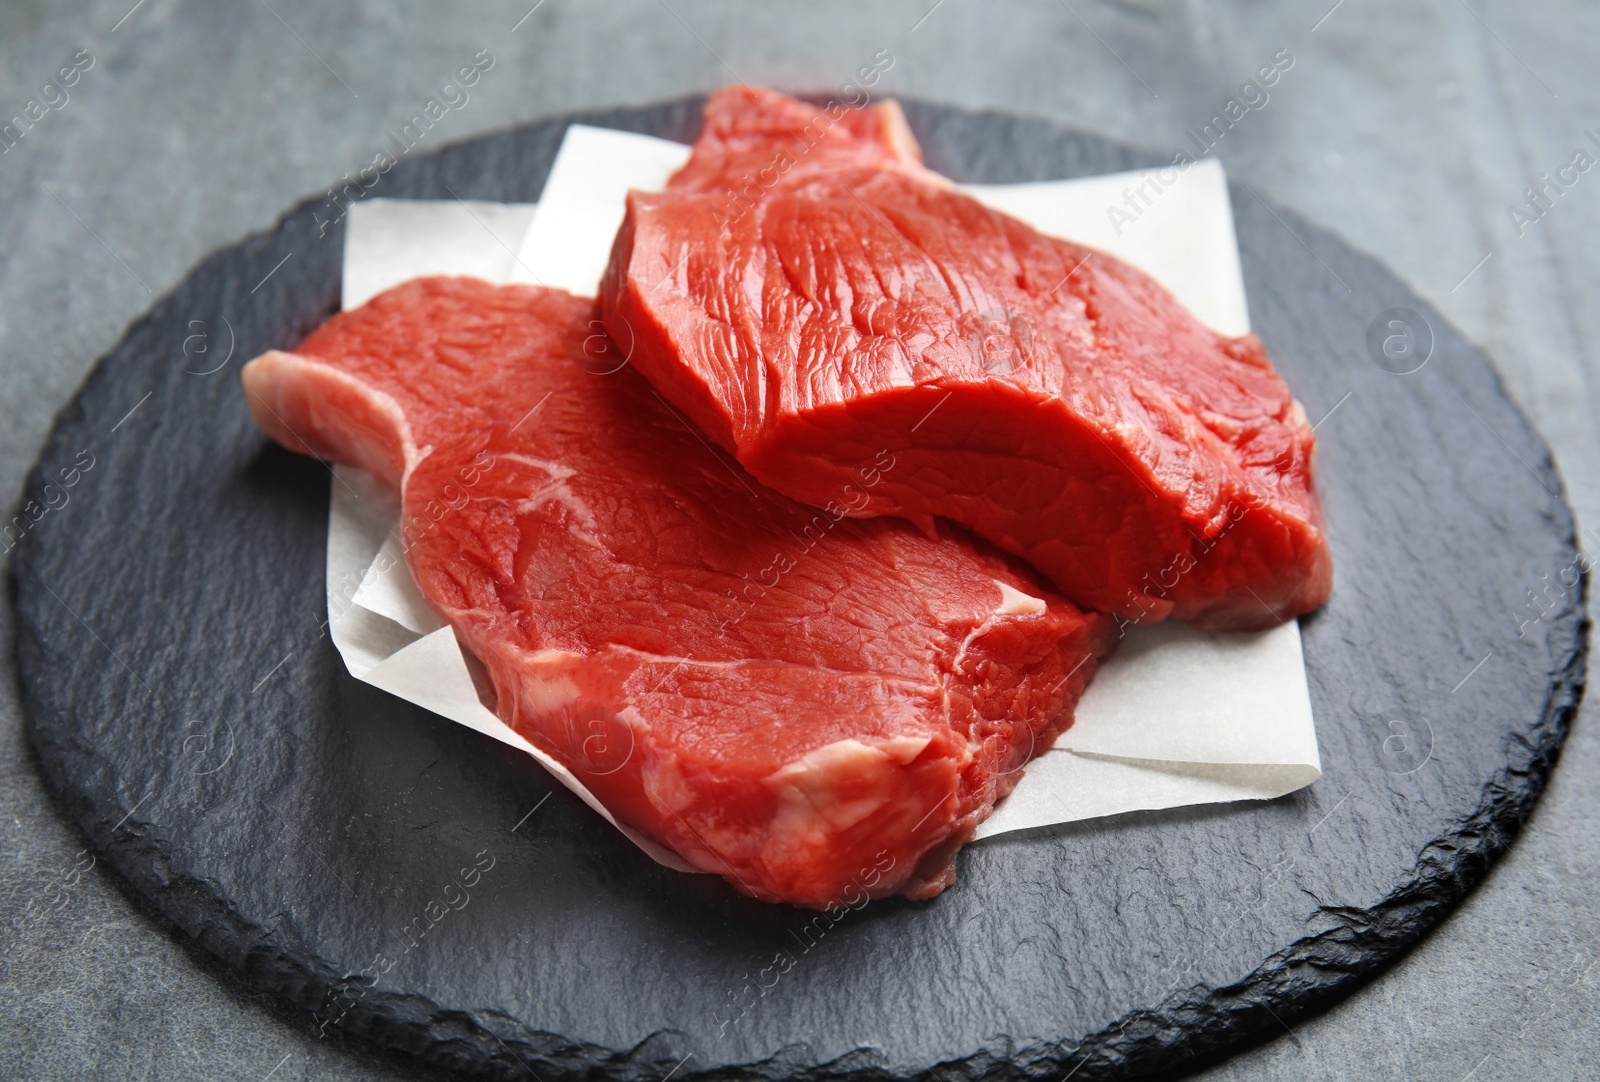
(1176, 717)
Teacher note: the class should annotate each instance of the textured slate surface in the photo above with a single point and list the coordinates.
(1092, 947)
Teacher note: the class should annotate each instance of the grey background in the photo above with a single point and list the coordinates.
(1410, 130)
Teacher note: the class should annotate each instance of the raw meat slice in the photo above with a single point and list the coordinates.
(815, 707)
(807, 292)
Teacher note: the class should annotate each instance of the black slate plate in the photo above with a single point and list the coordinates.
(392, 875)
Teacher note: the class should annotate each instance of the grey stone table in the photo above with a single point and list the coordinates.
(1412, 131)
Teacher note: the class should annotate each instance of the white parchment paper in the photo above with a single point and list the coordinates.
(1176, 717)
(392, 237)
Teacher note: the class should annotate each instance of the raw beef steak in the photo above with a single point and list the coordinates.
(808, 293)
(812, 706)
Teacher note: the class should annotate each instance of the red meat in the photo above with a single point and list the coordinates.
(808, 293)
(815, 707)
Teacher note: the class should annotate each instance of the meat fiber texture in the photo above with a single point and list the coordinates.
(807, 704)
(808, 292)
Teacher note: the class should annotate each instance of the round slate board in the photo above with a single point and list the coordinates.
(392, 875)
